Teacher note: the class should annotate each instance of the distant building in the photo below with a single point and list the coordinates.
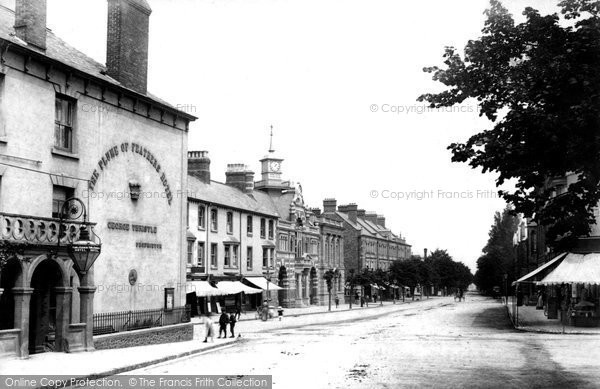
(231, 233)
(368, 243)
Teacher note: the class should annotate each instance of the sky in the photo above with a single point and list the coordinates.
(338, 80)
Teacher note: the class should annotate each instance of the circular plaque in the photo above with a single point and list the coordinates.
(133, 276)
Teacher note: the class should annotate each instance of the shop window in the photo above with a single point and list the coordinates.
(63, 123)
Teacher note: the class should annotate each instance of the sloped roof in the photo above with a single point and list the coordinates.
(60, 51)
(282, 203)
(232, 197)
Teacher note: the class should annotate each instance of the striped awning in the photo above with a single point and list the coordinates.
(547, 266)
(577, 269)
(262, 282)
(202, 289)
(235, 287)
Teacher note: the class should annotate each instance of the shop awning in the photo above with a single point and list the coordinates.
(262, 282)
(545, 266)
(575, 268)
(203, 289)
(235, 287)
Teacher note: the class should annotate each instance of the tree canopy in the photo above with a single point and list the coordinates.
(538, 82)
(498, 254)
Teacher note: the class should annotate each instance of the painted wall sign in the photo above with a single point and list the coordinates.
(127, 147)
(119, 226)
(146, 245)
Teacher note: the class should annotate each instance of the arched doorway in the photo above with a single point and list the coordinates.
(8, 278)
(42, 315)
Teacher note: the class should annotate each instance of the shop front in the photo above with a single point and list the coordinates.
(564, 292)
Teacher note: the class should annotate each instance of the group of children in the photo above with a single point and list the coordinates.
(224, 320)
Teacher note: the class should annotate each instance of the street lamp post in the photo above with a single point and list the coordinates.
(83, 252)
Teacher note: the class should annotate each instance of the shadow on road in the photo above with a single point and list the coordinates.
(495, 318)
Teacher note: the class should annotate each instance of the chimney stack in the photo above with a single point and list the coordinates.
(329, 205)
(381, 220)
(361, 213)
(350, 210)
(199, 165)
(127, 43)
(238, 175)
(30, 22)
(371, 217)
(425, 253)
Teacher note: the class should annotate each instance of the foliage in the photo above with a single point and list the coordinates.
(329, 276)
(538, 82)
(498, 254)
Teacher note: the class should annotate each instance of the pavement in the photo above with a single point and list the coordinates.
(533, 320)
(102, 363)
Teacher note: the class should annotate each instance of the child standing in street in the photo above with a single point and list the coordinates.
(337, 302)
(280, 312)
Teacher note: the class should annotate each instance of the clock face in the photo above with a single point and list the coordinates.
(275, 166)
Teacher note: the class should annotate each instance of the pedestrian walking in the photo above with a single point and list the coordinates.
(362, 302)
(238, 313)
(356, 297)
(209, 328)
(337, 302)
(375, 298)
(280, 312)
(223, 321)
(232, 322)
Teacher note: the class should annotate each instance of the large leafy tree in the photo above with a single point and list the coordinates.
(539, 83)
(498, 254)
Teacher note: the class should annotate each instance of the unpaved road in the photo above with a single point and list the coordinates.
(436, 343)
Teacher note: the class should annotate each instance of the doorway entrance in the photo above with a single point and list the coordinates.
(8, 278)
(42, 315)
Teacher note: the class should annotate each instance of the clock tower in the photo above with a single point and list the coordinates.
(270, 169)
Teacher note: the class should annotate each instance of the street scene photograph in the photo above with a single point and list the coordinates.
(336, 194)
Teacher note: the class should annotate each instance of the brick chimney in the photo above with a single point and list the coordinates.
(381, 220)
(329, 205)
(127, 43)
(30, 22)
(199, 165)
(350, 210)
(371, 217)
(238, 175)
(361, 213)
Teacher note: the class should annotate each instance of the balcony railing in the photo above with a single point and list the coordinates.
(38, 230)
